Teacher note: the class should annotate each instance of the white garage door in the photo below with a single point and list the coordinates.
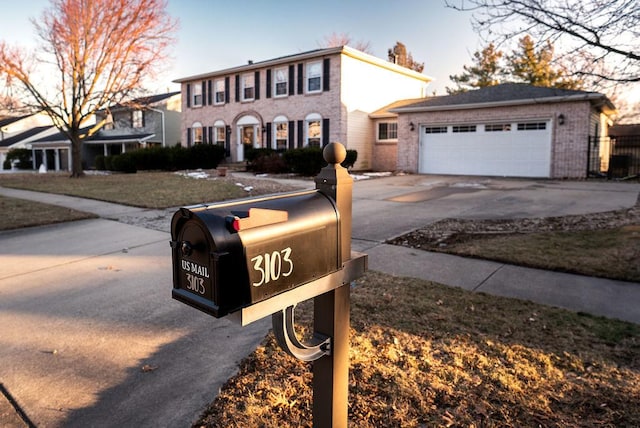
(521, 149)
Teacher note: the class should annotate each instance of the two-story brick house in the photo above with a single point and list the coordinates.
(307, 99)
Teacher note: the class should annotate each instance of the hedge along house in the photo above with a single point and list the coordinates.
(307, 99)
(513, 130)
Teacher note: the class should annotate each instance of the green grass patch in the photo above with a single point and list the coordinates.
(610, 253)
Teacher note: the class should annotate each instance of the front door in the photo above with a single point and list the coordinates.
(247, 136)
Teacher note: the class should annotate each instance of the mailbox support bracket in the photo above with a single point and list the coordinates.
(283, 329)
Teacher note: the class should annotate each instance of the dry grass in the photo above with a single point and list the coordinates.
(423, 354)
(144, 189)
(18, 213)
(611, 253)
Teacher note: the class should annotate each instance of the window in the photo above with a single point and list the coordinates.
(497, 127)
(197, 94)
(137, 119)
(196, 133)
(387, 131)
(532, 126)
(435, 130)
(248, 87)
(281, 130)
(314, 133)
(314, 76)
(219, 89)
(219, 136)
(463, 128)
(280, 81)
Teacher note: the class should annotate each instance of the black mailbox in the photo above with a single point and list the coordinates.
(228, 256)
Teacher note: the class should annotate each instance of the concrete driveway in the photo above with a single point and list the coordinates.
(91, 337)
(389, 207)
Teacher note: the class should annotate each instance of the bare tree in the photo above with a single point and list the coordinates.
(344, 39)
(595, 33)
(93, 53)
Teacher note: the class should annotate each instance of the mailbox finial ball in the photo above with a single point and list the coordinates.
(334, 153)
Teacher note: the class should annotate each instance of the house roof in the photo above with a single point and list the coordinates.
(97, 138)
(303, 56)
(142, 101)
(7, 142)
(506, 94)
(385, 112)
(8, 120)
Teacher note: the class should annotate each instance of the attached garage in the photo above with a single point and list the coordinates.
(507, 130)
(517, 149)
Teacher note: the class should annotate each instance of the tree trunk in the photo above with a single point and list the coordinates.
(76, 157)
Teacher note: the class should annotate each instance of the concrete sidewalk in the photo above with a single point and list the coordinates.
(597, 296)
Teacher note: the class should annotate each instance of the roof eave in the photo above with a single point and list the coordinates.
(345, 50)
(591, 96)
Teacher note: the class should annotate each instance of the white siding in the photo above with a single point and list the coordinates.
(366, 88)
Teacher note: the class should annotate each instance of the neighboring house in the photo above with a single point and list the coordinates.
(306, 99)
(17, 131)
(144, 122)
(513, 130)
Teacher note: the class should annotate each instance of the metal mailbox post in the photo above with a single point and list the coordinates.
(261, 256)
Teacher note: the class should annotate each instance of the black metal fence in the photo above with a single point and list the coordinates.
(614, 157)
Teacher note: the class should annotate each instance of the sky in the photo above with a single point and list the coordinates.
(219, 34)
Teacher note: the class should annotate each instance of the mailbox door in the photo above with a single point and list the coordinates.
(208, 272)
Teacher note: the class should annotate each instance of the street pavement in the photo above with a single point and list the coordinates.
(91, 337)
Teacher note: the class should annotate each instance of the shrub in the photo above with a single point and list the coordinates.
(350, 160)
(206, 156)
(165, 158)
(307, 161)
(271, 164)
(23, 156)
(124, 163)
(100, 163)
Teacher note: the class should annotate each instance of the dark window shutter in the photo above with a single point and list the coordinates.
(268, 83)
(292, 134)
(300, 133)
(292, 82)
(188, 137)
(211, 135)
(300, 79)
(269, 135)
(188, 94)
(237, 87)
(325, 132)
(227, 140)
(209, 96)
(144, 117)
(226, 89)
(326, 70)
(204, 135)
(204, 92)
(257, 84)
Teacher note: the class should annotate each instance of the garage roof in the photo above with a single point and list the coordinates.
(504, 95)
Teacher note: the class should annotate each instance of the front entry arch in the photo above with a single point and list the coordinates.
(247, 128)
